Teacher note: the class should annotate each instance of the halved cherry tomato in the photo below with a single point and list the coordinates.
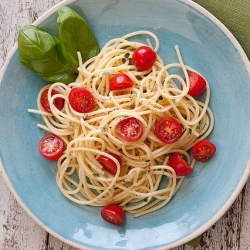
(144, 57)
(113, 214)
(109, 164)
(168, 130)
(203, 150)
(130, 129)
(51, 147)
(81, 100)
(120, 81)
(178, 163)
(58, 102)
(197, 84)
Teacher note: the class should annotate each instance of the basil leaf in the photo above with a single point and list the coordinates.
(42, 53)
(102, 129)
(76, 35)
(128, 183)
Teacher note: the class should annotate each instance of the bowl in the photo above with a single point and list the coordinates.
(204, 196)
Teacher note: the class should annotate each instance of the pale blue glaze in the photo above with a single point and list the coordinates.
(204, 196)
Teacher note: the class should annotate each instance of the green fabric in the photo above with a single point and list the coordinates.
(235, 15)
(195, 242)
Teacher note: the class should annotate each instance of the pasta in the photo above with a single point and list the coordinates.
(144, 182)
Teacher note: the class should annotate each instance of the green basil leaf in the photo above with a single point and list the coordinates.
(102, 129)
(42, 53)
(76, 35)
(128, 183)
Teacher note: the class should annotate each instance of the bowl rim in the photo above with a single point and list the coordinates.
(233, 196)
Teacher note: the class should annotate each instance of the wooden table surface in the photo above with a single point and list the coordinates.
(18, 231)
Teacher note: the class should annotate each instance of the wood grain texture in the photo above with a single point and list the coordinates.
(19, 232)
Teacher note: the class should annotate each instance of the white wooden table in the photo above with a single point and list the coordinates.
(19, 232)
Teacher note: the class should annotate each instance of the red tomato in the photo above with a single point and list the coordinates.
(197, 84)
(203, 150)
(113, 214)
(178, 163)
(51, 147)
(144, 57)
(109, 164)
(120, 81)
(58, 102)
(168, 130)
(81, 100)
(130, 129)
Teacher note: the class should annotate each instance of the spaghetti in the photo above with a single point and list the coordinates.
(144, 182)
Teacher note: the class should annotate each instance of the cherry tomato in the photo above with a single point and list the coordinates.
(120, 81)
(130, 129)
(144, 57)
(109, 164)
(197, 84)
(58, 102)
(81, 100)
(51, 147)
(203, 150)
(168, 130)
(113, 214)
(178, 163)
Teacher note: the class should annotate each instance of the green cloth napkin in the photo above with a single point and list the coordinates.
(235, 15)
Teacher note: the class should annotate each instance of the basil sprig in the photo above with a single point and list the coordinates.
(55, 59)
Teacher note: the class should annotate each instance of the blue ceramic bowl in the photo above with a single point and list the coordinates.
(204, 196)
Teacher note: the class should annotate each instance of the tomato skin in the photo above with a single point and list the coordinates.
(81, 100)
(168, 130)
(120, 81)
(58, 102)
(178, 163)
(130, 129)
(144, 57)
(109, 164)
(113, 214)
(51, 147)
(203, 150)
(197, 84)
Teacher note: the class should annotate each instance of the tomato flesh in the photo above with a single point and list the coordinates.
(81, 100)
(197, 84)
(168, 130)
(130, 129)
(109, 164)
(144, 57)
(51, 147)
(113, 214)
(178, 163)
(203, 150)
(120, 81)
(58, 102)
